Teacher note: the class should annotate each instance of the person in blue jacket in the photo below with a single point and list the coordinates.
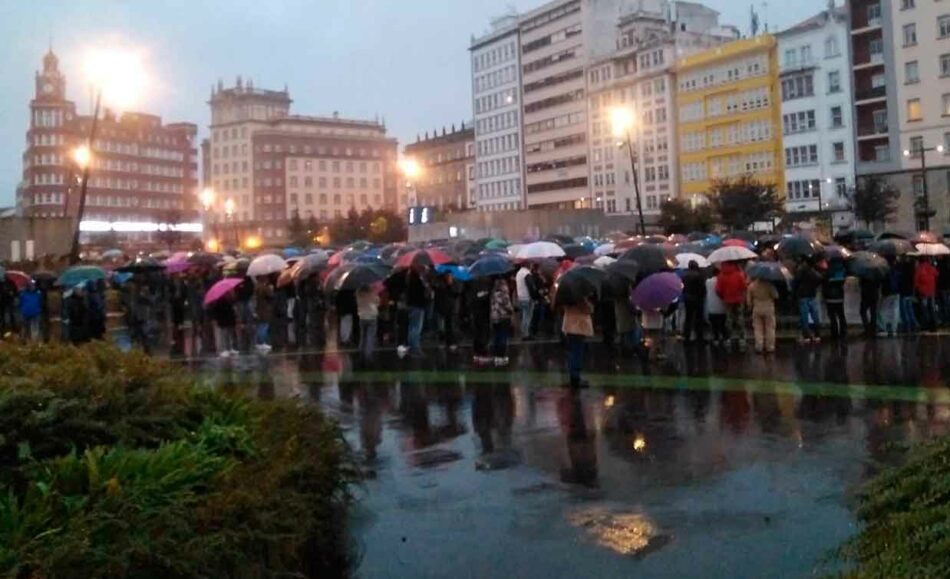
(30, 310)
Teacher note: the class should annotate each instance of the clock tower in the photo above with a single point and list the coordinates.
(50, 84)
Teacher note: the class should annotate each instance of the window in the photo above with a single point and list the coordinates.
(834, 81)
(916, 144)
(910, 34)
(803, 155)
(913, 110)
(907, 4)
(945, 65)
(797, 87)
(791, 57)
(837, 118)
(911, 72)
(838, 152)
(943, 26)
(946, 104)
(831, 47)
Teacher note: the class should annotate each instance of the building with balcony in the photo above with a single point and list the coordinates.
(729, 116)
(817, 126)
(446, 169)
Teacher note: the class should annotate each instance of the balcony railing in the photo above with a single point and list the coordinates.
(871, 93)
(872, 129)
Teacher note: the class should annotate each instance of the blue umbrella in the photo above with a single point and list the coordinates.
(122, 277)
(458, 272)
(79, 274)
(367, 258)
(292, 252)
(491, 265)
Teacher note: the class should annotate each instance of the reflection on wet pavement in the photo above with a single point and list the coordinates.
(711, 465)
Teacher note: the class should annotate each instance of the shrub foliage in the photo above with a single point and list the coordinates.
(115, 465)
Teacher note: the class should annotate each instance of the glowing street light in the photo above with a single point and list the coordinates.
(410, 169)
(82, 156)
(207, 198)
(229, 207)
(622, 121)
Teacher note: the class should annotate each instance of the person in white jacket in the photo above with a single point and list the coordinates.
(716, 313)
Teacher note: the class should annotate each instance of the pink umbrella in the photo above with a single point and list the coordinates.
(172, 267)
(221, 289)
(428, 257)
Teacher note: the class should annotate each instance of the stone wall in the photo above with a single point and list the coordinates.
(24, 238)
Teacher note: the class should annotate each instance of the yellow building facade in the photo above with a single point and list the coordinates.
(729, 116)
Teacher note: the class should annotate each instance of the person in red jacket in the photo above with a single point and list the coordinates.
(925, 285)
(731, 285)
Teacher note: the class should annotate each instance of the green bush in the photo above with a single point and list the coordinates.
(115, 465)
(906, 516)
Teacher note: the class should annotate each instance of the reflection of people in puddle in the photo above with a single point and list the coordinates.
(481, 417)
(265, 384)
(493, 413)
(581, 451)
(415, 411)
(372, 400)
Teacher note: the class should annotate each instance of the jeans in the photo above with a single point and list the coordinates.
(262, 330)
(869, 314)
(526, 307)
(500, 342)
(575, 357)
(908, 318)
(718, 324)
(808, 308)
(694, 321)
(928, 310)
(416, 317)
(836, 319)
(537, 319)
(735, 322)
(367, 337)
(888, 317)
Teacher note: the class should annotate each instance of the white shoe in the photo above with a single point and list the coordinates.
(235, 353)
(225, 354)
(402, 350)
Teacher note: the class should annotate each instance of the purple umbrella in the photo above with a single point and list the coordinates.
(221, 288)
(658, 291)
(173, 266)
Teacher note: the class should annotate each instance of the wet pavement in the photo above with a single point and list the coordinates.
(707, 464)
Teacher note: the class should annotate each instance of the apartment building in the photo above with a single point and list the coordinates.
(729, 115)
(446, 161)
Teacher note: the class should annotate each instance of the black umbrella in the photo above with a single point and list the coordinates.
(490, 265)
(853, 235)
(575, 250)
(624, 268)
(362, 274)
(650, 258)
(702, 249)
(559, 239)
(141, 265)
(837, 252)
(743, 235)
(334, 277)
(579, 283)
(891, 247)
(799, 247)
(697, 236)
(868, 265)
(621, 276)
(772, 271)
(892, 235)
(204, 258)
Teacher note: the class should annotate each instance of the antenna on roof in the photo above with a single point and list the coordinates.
(754, 25)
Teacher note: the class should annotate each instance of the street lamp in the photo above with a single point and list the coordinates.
(622, 121)
(229, 217)
(119, 77)
(410, 169)
(922, 151)
(206, 197)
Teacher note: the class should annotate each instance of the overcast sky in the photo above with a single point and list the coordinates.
(405, 60)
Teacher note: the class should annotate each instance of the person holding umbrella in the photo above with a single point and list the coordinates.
(367, 308)
(502, 311)
(77, 314)
(761, 298)
(694, 296)
(418, 296)
(577, 325)
(731, 285)
(263, 311)
(832, 290)
(906, 272)
(925, 284)
(223, 314)
(30, 307)
(807, 281)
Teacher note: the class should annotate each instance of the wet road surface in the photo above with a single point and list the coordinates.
(710, 463)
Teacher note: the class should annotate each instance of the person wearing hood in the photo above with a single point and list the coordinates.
(731, 287)
(807, 281)
(30, 309)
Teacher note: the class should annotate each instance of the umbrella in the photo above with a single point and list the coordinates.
(43, 278)
(772, 271)
(205, 258)
(457, 271)
(628, 243)
(112, 254)
(605, 249)
(266, 265)
(891, 247)
(579, 283)
(733, 242)
(121, 278)
(892, 235)
(309, 265)
(731, 254)
(285, 278)
(797, 246)
(616, 235)
(650, 258)
(603, 261)
(291, 252)
(17, 278)
(575, 250)
(141, 265)
(361, 275)
(588, 259)
(172, 267)
(496, 244)
(333, 278)
(749, 236)
(926, 237)
(160, 254)
(677, 238)
(430, 257)
(868, 265)
(853, 235)
(657, 291)
(221, 288)
(928, 249)
(698, 236)
(837, 252)
(656, 239)
(694, 247)
(360, 245)
(79, 274)
(490, 265)
(559, 239)
(683, 260)
(344, 256)
(625, 268)
(539, 250)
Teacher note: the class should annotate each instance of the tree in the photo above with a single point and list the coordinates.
(298, 235)
(743, 201)
(874, 200)
(676, 216)
(374, 225)
(313, 228)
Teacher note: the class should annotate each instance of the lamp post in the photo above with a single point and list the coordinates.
(622, 121)
(206, 196)
(83, 158)
(229, 217)
(922, 151)
(410, 169)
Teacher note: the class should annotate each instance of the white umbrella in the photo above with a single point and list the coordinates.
(932, 249)
(266, 265)
(605, 249)
(731, 254)
(683, 259)
(603, 261)
(514, 248)
(540, 250)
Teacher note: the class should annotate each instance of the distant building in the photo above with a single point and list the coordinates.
(143, 173)
(729, 116)
(268, 165)
(817, 117)
(446, 160)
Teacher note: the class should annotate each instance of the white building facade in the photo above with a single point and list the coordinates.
(817, 117)
(498, 172)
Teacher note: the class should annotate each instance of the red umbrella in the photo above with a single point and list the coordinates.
(221, 289)
(735, 243)
(424, 257)
(18, 278)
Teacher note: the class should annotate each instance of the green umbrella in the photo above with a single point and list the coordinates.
(80, 273)
(496, 244)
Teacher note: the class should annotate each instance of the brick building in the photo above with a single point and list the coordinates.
(447, 161)
(270, 164)
(142, 172)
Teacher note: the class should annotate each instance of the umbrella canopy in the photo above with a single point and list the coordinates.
(333, 278)
(624, 268)
(677, 238)
(932, 249)
(141, 265)
(496, 244)
(176, 266)
(459, 272)
(539, 250)
(797, 246)
(43, 278)
(559, 239)
(734, 242)
(389, 252)
(430, 257)
(112, 254)
(683, 260)
(772, 271)
(603, 261)
(205, 258)
(344, 256)
(17, 278)
(285, 278)
(926, 237)
(362, 274)
(891, 247)
(576, 250)
(731, 254)
(160, 254)
(291, 252)
(657, 291)
(586, 259)
(616, 235)
(651, 258)
(221, 288)
(656, 239)
(694, 247)
(628, 243)
(490, 265)
(80, 273)
(893, 235)
(698, 236)
(868, 265)
(360, 245)
(266, 265)
(579, 283)
(837, 252)
(853, 235)
(605, 249)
